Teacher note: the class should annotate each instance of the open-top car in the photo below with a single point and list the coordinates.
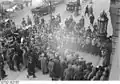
(71, 6)
(43, 10)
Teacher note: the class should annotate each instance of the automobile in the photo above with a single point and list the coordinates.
(43, 10)
(7, 3)
(57, 2)
(71, 6)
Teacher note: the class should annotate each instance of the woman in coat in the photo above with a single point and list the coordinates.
(50, 67)
(63, 67)
(44, 64)
(56, 69)
(31, 68)
(82, 22)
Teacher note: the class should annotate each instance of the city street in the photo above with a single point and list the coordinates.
(98, 7)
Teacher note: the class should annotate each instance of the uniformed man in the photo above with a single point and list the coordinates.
(66, 23)
(71, 19)
(44, 66)
(78, 73)
(29, 22)
(104, 77)
(90, 10)
(92, 74)
(95, 27)
(63, 67)
(24, 23)
(56, 69)
(68, 73)
(59, 18)
(88, 33)
(82, 22)
(37, 21)
(50, 67)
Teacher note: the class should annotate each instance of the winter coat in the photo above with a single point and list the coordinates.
(57, 68)
(50, 67)
(63, 67)
(92, 19)
(44, 66)
(69, 74)
(78, 75)
(82, 22)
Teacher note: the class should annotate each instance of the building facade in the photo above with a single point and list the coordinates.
(115, 20)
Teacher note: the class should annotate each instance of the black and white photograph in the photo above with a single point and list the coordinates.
(59, 40)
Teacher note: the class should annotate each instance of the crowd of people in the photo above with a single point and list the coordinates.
(29, 46)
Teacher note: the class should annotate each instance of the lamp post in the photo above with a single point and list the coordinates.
(50, 4)
(77, 8)
(1, 11)
(102, 25)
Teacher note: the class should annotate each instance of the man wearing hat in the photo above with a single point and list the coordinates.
(92, 18)
(23, 22)
(89, 31)
(82, 22)
(44, 65)
(29, 22)
(31, 65)
(56, 69)
(50, 66)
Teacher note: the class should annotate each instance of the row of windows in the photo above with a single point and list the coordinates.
(114, 1)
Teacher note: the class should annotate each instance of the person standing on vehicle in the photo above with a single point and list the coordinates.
(92, 18)
(90, 10)
(86, 10)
